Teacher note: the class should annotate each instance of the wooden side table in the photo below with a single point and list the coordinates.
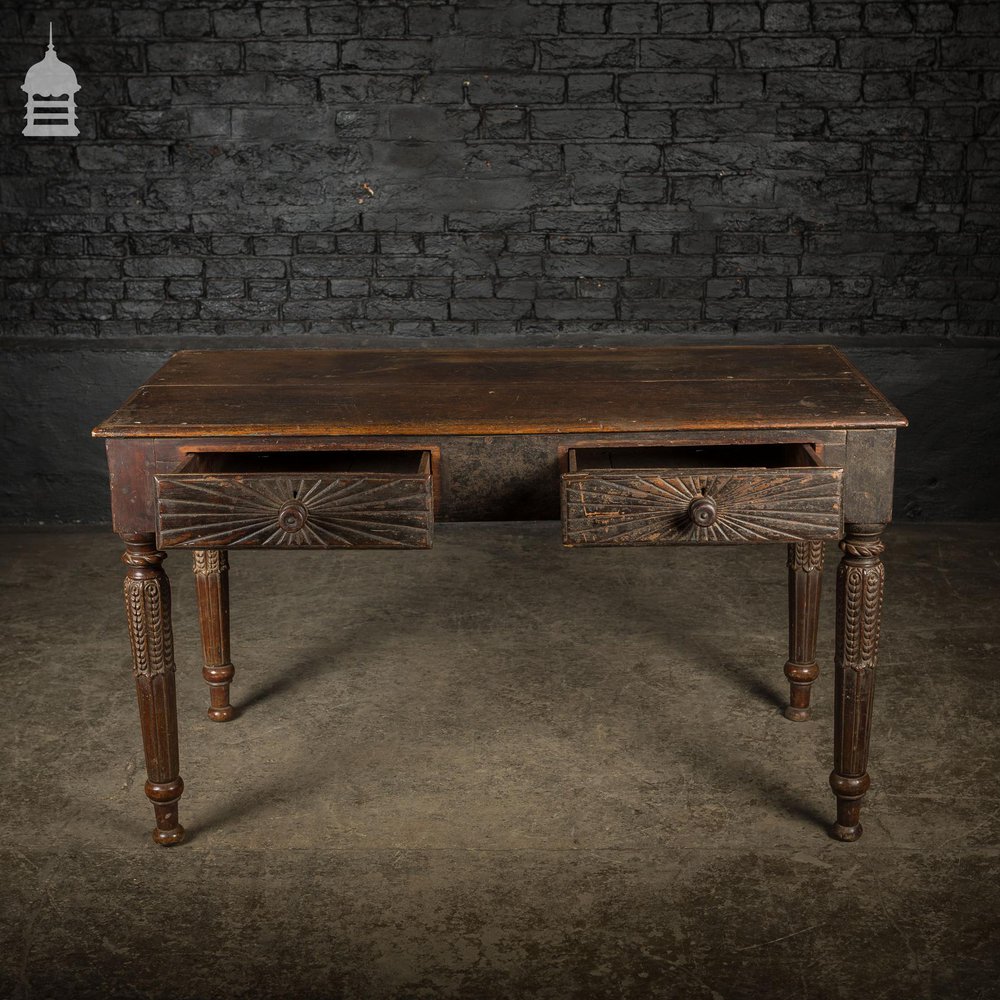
(334, 449)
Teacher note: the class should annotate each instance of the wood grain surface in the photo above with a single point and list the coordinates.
(500, 391)
(658, 507)
(336, 504)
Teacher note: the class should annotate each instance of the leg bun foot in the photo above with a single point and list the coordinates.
(167, 838)
(847, 834)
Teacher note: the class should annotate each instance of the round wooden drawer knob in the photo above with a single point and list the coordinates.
(703, 512)
(293, 516)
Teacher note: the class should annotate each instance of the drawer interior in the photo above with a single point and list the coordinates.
(220, 463)
(729, 456)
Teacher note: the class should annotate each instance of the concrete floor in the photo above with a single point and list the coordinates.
(500, 769)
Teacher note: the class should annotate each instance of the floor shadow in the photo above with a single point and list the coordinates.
(700, 650)
(720, 766)
(219, 817)
(768, 693)
(291, 678)
(736, 672)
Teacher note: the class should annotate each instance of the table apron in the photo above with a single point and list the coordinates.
(504, 476)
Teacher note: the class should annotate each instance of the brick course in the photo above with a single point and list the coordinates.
(521, 166)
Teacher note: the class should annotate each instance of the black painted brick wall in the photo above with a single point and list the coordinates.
(502, 172)
(803, 169)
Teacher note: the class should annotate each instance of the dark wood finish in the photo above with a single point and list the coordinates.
(147, 607)
(526, 391)
(493, 477)
(805, 582)
(502, 428)
(491, 366)
(211, 576)
(131, 464)
(669, 496)
(351, 499)
(869, 460)
(860, 587)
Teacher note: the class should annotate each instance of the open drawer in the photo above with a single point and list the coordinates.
(301, 500)
(712, 494)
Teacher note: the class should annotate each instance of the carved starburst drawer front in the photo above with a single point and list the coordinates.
(711, 495)
(297, 500)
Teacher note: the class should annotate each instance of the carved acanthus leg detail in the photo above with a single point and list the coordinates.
(211, 574)
(147, 607)
(860, 586)
(805, 582)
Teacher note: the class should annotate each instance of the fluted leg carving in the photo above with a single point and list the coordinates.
(211, 574)
(805, 582)
(860, 586)
(147, 607)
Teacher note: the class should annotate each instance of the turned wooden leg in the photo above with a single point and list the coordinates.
(147, 607)
(805, 581)
(860, 585)
(211, 574)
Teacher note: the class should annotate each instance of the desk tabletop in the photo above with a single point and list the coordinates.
(537, 390)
